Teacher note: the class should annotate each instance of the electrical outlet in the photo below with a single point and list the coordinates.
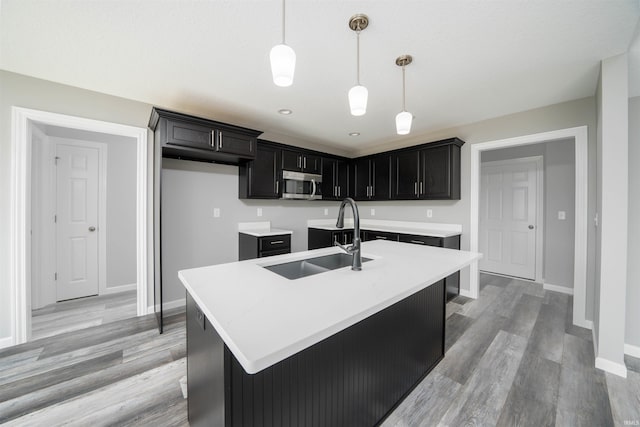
(373, 212)
(259, 213)
(429, 213)
(562, 215)
(216, 212)
(326, 211)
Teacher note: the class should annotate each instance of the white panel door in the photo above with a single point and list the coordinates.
(77, 221)
(508, 198)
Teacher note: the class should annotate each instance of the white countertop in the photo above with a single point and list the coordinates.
(264, 318)
(261, 229)
(403, 227)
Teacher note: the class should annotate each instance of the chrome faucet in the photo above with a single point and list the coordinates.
(354, 249)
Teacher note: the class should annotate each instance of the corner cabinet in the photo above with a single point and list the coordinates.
(428, 172)
(181, 136)
(260, 178)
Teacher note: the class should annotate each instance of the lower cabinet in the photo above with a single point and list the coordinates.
(319, 238)
(250, 246)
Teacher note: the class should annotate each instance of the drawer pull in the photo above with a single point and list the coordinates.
(420, 242)
(381, 237)
(277, 242)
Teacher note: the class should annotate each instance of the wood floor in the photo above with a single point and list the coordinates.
(82, 313)
(513, 358)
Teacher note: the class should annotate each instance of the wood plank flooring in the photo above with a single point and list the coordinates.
(81, 313)
(512, 358)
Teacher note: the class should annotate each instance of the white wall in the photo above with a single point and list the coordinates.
(614, 110)
(633, 268)
(559, 195)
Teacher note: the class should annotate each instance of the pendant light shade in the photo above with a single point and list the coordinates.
(403, 122)
(358, 95)
(283, 64)
(404, 118)
(283, 59)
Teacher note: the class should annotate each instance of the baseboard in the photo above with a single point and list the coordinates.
(632, 350)
(556, 288)
(594, 340)
(169, 305)
(606, 365)
(466, 293)
(6, 342)
(118, 289)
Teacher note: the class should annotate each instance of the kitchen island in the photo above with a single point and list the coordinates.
(340, 347)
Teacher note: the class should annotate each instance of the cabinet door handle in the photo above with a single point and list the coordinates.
(335, 191)
(277, 187)
(304, 163)
(299, 161)
(212, 141)
(421, 191)
(277, 242)
(339, 191)
(419, 242)
(344, 238)
(415, 188)
(381, 237)
(219, 140)
(368, 190)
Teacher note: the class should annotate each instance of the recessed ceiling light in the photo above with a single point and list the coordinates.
(285, 111)
(354, 133)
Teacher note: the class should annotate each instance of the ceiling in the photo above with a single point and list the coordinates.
(473, 59)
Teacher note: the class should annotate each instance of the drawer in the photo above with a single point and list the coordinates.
(263, 254)
(381, 235)
(421, 240)
(271, 243)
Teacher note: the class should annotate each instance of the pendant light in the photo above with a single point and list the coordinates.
(358, 94)
(404, 118)
(283, 60)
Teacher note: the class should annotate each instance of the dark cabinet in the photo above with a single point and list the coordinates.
(251, 246)
(318, 238)
(371, 178)
(260, 178)
(335, 179)
(298, 161)
(452, 282)
(430, 172)
(380, 235)
(193, 138)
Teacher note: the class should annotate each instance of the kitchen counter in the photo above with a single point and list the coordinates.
(264, 318)
(261, 229)
(402, 227)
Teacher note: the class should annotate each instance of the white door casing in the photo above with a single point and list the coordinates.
(77, 231)
(508, 220)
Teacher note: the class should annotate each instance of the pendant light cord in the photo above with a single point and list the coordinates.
(283, 22)
(403, 90)
(358, 55)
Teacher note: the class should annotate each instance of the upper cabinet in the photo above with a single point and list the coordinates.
(335, 178)
(194, 138)
(299, 161)
(371, 177)
(260, 178)
(430, 171)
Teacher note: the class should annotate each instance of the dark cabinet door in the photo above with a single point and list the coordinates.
(437, 173)
(422, 240)
(291, 160)
(189, 135)
(311, 164)
(341, 179)
(380, 177)
(231, 142)
(263, 173)
(300, 162)
(329, 189)
(406, 175)
(361, 189)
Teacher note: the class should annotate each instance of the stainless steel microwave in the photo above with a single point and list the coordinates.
(298, 185)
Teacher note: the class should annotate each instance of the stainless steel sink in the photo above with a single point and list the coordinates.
(308, 267)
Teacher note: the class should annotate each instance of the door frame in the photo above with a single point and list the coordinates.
(20, 214)
(580, 136)
(539, 206)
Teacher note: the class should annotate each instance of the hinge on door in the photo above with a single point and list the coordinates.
(55, 219)
(55, 276)
(55, 160)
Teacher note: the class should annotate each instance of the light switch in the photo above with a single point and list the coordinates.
(373, 212)
(429, 213)
(259, 213)
(216, 212)
(326, 211)
(562, 215)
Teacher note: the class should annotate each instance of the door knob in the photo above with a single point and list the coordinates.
(531, 227)
(92, 228)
